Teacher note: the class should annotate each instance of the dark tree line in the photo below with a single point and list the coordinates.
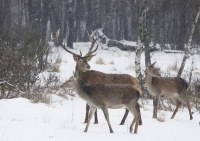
(167, 21)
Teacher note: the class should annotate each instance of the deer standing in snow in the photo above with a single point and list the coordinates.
(167, 87)
(91, 77)
(106, 96)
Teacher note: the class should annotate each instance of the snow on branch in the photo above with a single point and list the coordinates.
(10, 85)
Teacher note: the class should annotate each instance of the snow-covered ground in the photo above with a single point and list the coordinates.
(62, 120)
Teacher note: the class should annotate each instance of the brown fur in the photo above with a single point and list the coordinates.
(105, 96)
(96, 77)
(91, 77)
(167, 87)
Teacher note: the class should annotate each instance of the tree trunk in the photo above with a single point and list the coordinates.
(27, 20)
(44, 19)
(53, 19)
(187, 53)
(70, 12)
(140, 42)
(182, 30)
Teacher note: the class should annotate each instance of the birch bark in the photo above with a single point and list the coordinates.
(140, 42)
(187, 50)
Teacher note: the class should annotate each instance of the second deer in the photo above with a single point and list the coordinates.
(166, 87)
(106, 96)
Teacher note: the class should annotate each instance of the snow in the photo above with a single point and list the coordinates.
(62, 120)
(173, 51)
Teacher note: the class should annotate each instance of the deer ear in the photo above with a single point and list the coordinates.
(75, 58)
(89, 58)
(153, 64)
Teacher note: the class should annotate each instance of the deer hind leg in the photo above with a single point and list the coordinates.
(124, 118)
(126, 114)
(106, 114)
(178, 104)
(95, 117)
(138, 108)
(136, 118)
(187, 103)
(92, 110)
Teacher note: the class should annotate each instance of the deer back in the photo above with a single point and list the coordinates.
(164, 86)
(95, 77)
(111, 95)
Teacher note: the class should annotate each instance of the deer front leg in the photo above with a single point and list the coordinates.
(95, 117)
(87, 113)
(106, 114)
(92, 110)
(155, 106)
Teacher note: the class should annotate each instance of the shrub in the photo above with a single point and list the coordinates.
(100, 61)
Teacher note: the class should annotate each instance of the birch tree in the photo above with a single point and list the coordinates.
(70, 11)
(140, 41)
(187, 50)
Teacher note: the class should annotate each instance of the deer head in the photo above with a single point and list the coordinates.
(81, 61)
(69, 84)
(152, 71)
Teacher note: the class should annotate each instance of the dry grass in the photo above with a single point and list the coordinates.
(42, 90)
(100, 61)
(43, 98)
(174, 66)
(113, 69)
(197, 73)
(55, 67)
(58, 60)
(111, 62)
(130, 67)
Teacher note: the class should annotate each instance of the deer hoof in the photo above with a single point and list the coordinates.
(121, 124)
(96, 122)
(155, 117)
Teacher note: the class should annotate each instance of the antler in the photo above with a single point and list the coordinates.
(63, 46)
(93, 40)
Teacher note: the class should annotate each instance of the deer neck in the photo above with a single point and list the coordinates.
(80, 89)
(79, 85)
(148, 81)
(80, 74)
(149, 84)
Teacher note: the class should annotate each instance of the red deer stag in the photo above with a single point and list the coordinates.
(91, 77)
(106, 96)
(167, 87)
